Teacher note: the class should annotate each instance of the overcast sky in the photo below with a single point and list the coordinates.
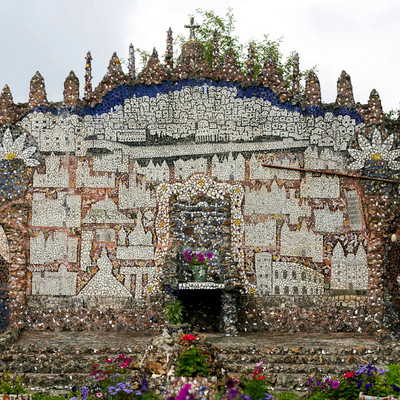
(53, 37)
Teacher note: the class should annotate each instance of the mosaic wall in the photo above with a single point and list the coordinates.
(119, 190)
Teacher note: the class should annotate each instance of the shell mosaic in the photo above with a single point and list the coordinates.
(101, 197)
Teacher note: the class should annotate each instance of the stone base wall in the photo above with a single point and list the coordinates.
(290, 314)
(104, 314)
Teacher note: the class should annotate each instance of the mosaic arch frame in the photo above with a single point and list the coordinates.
(200, 184)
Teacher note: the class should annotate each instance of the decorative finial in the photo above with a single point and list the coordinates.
(250, 63)
(345, 97)
(169, 60)
(215, 53)
(131, 63)
(296, 79)
(192, 27)
(88, 75)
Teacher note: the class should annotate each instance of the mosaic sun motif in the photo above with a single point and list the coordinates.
(14, 149)
(376, 149)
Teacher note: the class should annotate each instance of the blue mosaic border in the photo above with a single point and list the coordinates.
(118, 95)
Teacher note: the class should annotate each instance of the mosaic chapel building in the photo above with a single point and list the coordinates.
(296, 200)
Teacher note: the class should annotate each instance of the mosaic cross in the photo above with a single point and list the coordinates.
(192, 27)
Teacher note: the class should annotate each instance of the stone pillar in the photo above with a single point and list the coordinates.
(229, 316)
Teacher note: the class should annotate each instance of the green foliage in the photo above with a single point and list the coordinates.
(392, 114)
(209, 21)
(12, 383)
(392, 376)
(256, 389)
(285, 396)
(192, 363)
(174, 312)
(40, 396)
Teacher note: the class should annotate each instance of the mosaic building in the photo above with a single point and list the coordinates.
(296, 200)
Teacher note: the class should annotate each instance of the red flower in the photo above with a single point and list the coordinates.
(261, 377)
(189, 337)
(121, 357)
(126, 363)
(348, 375)
(108, 360)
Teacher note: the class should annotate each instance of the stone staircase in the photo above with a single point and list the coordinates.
(54, 362)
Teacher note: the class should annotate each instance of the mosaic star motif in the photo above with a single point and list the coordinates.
(11, 149)
(376, 149)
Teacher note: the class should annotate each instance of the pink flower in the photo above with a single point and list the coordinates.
(335, 384)
(108, 360)
(259, 364)
(99, 395)
(209, 255)
(121, 357)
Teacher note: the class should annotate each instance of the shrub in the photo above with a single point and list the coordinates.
(192, 362)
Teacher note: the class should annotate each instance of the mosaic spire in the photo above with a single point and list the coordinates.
(153, 72)
(37, 92)
(88, 75)
(296, 79)
(131, 63)
(169, 54)
(71, 90)
(215, 52)
(8, 109)
(375, 115)
(229, 71)
(272, 78)
(115, 69)
(345, 96)
(250, 63)
(312, 93)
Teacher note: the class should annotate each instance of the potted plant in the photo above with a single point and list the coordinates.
(198, 262)
(174, 310)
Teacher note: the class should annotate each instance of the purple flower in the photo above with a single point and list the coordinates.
(367, 387)
(335, 384)
(183, 392)
(200, 257)
(145, 384)
(186, 253)
(232, 394)
(382, 371)
(113, 390)
(84, 393)
(209, 255)
(245, 397)
(395, 388)
(359, 384)
(189, 258)
(269, 396)
(230, 384)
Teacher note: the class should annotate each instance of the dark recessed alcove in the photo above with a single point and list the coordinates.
(202, 309)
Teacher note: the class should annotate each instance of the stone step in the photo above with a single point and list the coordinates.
(57, 361)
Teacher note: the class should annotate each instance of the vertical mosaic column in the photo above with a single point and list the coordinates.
(229, 313)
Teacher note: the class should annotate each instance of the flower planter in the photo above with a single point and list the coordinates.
(366, 397)
(22, 396)
(205, 387)
(172, 329)
(200, 273)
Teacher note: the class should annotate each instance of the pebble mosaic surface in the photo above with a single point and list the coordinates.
(118, 190)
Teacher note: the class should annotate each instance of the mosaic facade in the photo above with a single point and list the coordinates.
(118, 186)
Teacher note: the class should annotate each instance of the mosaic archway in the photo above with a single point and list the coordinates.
(196, 186)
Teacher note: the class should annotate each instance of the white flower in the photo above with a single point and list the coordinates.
(375, 150)
(12, 149)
